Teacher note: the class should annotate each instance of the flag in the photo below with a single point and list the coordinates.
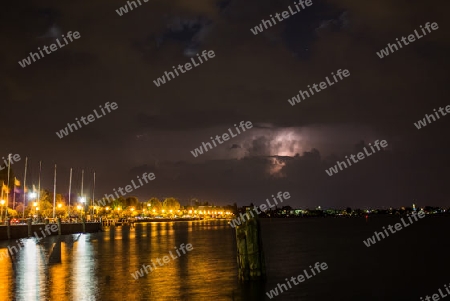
(34, 188)
(16, 182)
(5, 188)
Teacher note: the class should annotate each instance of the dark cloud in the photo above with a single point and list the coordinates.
(180, 120)
(189, 32)
(300, 32)
(250, 78)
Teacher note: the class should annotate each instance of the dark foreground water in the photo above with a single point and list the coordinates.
(405, 266)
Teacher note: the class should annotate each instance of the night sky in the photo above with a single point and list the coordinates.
(250, 78)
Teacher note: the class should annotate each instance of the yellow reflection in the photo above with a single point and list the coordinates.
(84, 281)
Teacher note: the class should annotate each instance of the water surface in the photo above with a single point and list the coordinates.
(98, 266)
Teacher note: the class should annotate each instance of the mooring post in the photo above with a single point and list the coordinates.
(29, 226)
(58, 221)
(8, 227)
(55, 254)
(251, 261)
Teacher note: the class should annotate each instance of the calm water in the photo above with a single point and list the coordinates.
(405, 266)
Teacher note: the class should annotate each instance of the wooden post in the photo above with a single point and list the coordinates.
(8, 229)
(58, 221)
(55, 254)
(250, 259)
(29, 226)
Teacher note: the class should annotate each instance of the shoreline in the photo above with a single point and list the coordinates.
(174, 220)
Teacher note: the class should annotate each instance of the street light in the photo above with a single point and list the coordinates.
(59, 207)
(32, 196)
(82, 199)
(35, 206)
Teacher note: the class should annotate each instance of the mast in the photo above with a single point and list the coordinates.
(24, 187)
(70, 188)
(54, 193)
(39, 181)
(82, 177)
(7, 189)
(93, 194)
(14, 194)
(82, 199)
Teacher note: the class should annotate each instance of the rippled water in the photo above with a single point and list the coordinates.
(98, 266)
(405, 266)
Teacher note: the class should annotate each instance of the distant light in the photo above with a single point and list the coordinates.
(32, 195)
(82, 199)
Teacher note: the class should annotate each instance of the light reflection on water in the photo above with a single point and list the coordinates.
(98, 266)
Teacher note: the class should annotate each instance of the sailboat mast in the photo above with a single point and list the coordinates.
(54, 193)
(7, 189)
(70, 188)
(93, 194)
(39, 181)
(24, 187)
